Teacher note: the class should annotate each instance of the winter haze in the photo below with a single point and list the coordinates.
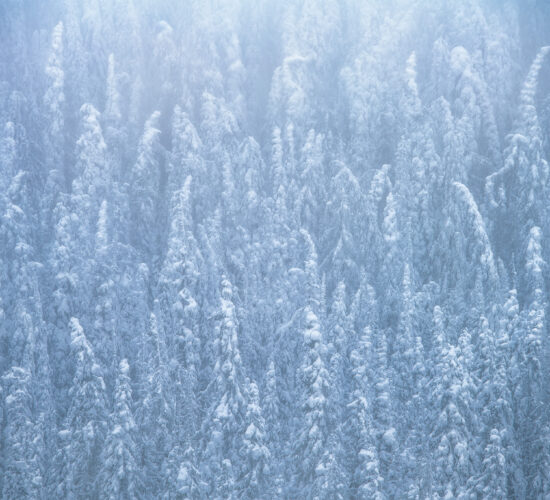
(274, 249)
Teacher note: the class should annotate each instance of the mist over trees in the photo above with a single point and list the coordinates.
(274, 249)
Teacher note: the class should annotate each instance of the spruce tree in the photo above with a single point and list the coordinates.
(310, 451)
(120, 475)
(22, 466)
(86, 419)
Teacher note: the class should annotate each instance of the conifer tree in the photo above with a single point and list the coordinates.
(155, 413)
(22, 466)
(450, 436)
(144, 191)
(221, 465)
(531, 397)
(311, 453)
(54, 136)
(86, 418)
(271, 407)
(120, 473)
(91, 172)
(255, 482)
(366, 481)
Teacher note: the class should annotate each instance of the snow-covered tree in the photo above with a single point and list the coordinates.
(494, 467)
(226, 418)
(255, 482)
(22, 466)
(91, 170)
(145, 181)
(86, 419)
(155, 412)
(310, 450)
(452, 405)
(366, 481)
(54, 135)
(120, 471)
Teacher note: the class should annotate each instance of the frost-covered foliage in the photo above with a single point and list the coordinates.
(274, 249)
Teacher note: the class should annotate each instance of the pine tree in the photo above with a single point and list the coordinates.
(54, 99)
(312, 193)
(409, 372)
(531, 397)
(404, 352)
(339, 331)
(366, 481)
(334, 485)
(344, 232)
(91, 175)
(116, 133)
(112, 113)
(313, 287)
(391, 264)
(494, 467)
(450, 398)
(155, 413)
(67, 290)
(144, 191)
(383, 412)
(177, 291)
(75, 59)
(310, 452)
(185, 159)
(54, 136)
(105, 339)
(512, 329)
(516, 190)
(188, 482)
(86, 418)
(255, 481)
(22, 467)
(226, 417)
(271, 407)
(120, 473)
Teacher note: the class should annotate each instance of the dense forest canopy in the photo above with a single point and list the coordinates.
(274, 249)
